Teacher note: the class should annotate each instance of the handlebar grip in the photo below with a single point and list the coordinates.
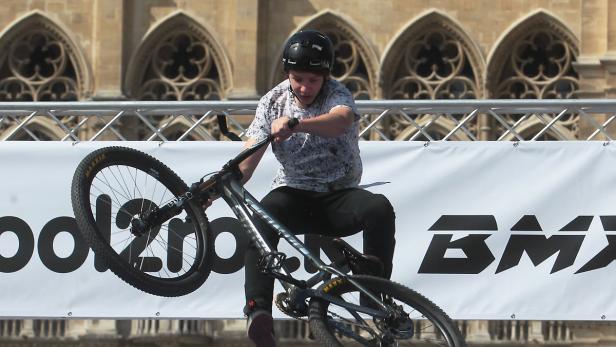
(293, 122)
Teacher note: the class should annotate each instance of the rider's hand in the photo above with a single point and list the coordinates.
(280, 129)
(207, 203)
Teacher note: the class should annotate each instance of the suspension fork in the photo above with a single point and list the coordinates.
(159, 215)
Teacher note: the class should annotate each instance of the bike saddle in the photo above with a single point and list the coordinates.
(359, 263)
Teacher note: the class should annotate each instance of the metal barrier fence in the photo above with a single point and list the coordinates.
(384, 120)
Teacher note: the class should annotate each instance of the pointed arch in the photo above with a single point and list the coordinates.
(179, 59)
(356, 63)
(516, 66)
(528, 129)
(180, 125)
(37, 129)
(39, 60)
(432, 57)
(437, 129)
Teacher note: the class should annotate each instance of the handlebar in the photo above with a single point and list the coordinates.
(293, 122)
(233, 164)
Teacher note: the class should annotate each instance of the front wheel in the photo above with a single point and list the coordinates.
(114, 189)
(417, 321)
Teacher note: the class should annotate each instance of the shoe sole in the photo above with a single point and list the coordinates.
(260, 331)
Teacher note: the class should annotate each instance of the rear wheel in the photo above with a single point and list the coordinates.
(115, 187)
(417, 321)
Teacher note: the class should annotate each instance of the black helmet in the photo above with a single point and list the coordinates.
(308, 50)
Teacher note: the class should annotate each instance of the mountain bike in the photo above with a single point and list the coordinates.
(159, 241)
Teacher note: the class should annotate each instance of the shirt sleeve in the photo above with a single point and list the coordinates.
(342, 97)
(261, 125)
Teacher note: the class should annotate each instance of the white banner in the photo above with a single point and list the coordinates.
(486, 230)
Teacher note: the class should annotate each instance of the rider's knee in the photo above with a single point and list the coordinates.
(276, 202)
(380, 208)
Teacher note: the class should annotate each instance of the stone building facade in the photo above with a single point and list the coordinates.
(68, 50)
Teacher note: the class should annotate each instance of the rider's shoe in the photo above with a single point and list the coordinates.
(360, 264)
(260, 328)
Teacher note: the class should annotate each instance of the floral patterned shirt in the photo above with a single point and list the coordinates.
(307, 161)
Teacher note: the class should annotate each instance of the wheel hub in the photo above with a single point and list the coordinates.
(398, 326)
(137, 226)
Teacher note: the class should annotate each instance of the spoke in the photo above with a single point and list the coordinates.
(153, 194)
(166, 228)
(160, 203)
(130, 252)
(154, 256)
(123, 187)
(123, 241)
(354, 313)
(145, 188)
(359, 321)
(106, 182)
(179, 250)
(134, 178)
(121, 231)
(146, 246)
(116, 205)
(124, 181)
(340, 327)
(163, 247)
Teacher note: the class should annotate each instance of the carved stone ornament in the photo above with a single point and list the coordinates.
(37, 66)
(181, 67)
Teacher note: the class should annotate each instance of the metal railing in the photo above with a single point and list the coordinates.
(384, 120)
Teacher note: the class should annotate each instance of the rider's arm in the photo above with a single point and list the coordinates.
(248, 166)
(332, 124)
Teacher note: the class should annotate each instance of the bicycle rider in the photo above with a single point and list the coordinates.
(316, 186)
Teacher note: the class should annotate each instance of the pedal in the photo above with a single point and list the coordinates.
(271, 261)
(359, 263)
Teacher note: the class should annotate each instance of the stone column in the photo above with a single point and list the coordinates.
(103, 327)
(243, 49)
(609, 60)
(593, 46)
(590, 65)
(535, 331)
(477, 331)
(77, 327)
(107, 49)
(27, 329)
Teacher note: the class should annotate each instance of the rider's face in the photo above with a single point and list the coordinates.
(306, 85)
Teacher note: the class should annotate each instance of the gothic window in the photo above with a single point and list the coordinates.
(537, 64)
(539, 67)
(179, 60)
(431, 61)
(37, 67)
(434, 66)
(354, 65)
(181, 67)
(349, 66)
(39, 62)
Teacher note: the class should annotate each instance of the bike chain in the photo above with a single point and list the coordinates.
(280, 298)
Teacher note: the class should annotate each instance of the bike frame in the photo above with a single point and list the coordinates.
(247, 209)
